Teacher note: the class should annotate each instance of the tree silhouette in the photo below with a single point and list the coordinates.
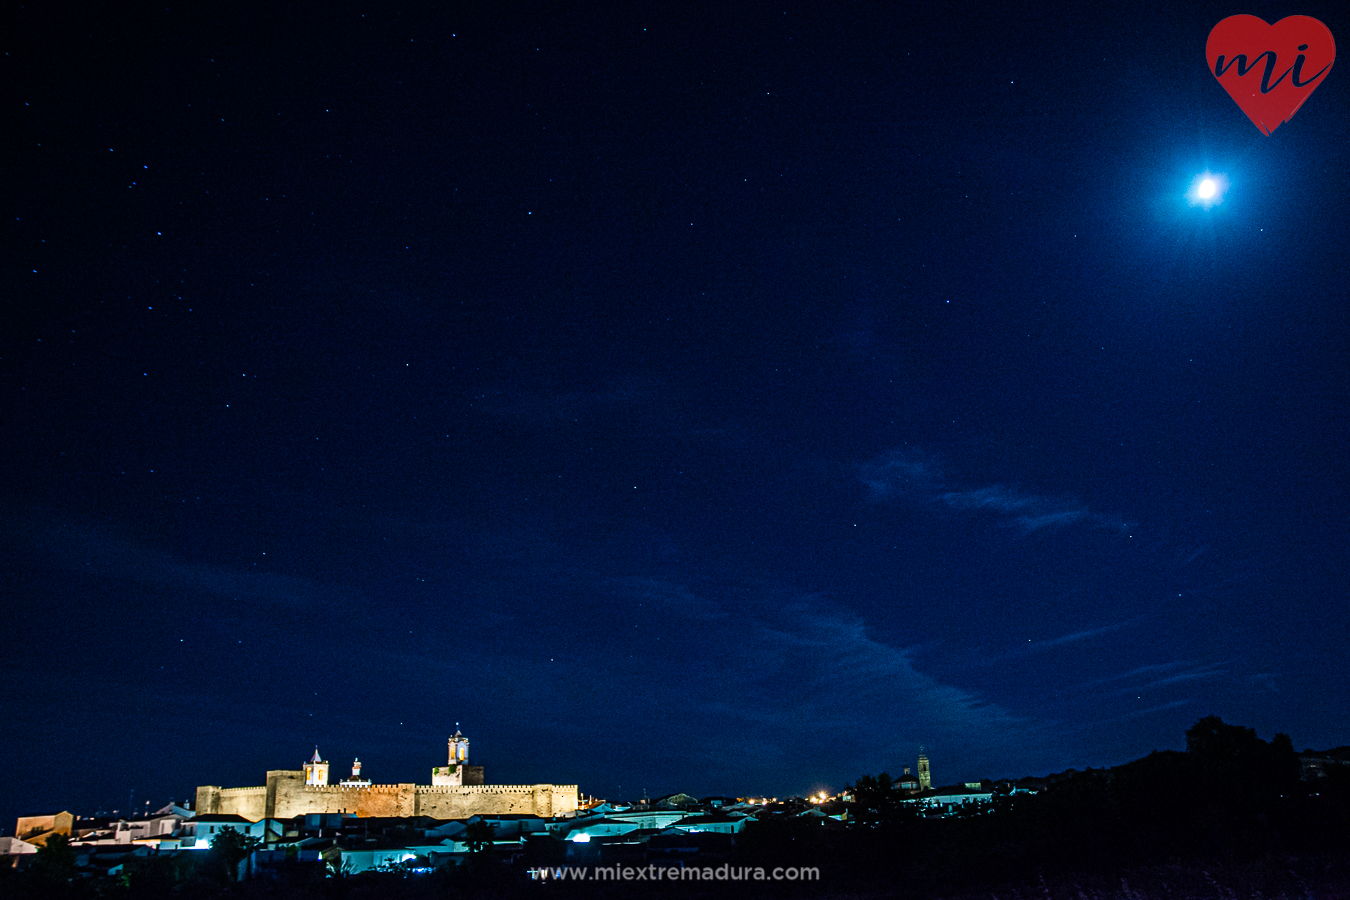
(55, 860)
(478, 835)
(232, 847)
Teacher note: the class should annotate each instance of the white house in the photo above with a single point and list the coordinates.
(11, 848)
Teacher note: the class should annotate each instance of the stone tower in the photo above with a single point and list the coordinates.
(925, 777)
(459, 748)
(457, 772)
(316, 770)
(356, 780)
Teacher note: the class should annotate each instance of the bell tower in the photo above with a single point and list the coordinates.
(457, 772)
(316, 770)
(925, 777)
(459, 748)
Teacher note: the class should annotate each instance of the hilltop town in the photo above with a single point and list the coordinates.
(1254, 798)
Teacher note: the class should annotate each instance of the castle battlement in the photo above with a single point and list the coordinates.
(356, 788)
(492, 788)
(293, 792)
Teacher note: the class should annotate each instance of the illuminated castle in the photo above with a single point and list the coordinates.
(456, 791)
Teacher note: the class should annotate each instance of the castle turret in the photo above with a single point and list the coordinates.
(457, 771)
(316, 770)
(356, 780)
(459, 748)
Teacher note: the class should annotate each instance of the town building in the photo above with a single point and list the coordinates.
(13, 851)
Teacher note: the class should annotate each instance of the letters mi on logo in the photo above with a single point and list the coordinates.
(1270, 69)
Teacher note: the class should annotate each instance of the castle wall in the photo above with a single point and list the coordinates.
(286, 795)
(249, 802)
(497, 799)
(35, 826)
(295, 798)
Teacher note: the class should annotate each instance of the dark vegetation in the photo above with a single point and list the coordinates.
(1230, 798)
(1228, 818)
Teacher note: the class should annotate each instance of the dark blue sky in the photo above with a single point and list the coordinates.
(723, 401)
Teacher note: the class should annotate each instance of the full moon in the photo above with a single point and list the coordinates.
(1207, 190)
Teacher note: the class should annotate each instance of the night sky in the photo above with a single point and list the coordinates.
(718, 401)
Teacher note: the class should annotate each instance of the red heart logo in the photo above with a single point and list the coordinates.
(1270, 69)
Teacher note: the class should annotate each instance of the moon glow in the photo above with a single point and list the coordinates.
(1207, 190)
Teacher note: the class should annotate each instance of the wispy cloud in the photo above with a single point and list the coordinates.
(1075, 637)
(1152, 677)
(901, 473)
(744, 677)
(77, 547)
(1214, 670)
(1134, 673)
(1031, 647)
(908, 474)
(797, 657)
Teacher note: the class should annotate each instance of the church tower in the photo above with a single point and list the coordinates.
(316, 770)
(925, 777)
(459, 748)
(457, 771)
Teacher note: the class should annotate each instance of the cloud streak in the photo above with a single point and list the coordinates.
(799, 658)
(907, 474)
(88, 551)
(1152, 677)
